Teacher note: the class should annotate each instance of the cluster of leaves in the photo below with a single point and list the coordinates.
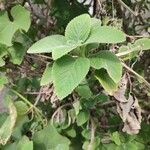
(68, 72)
(73, 108)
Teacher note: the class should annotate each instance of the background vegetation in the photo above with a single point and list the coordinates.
(102, 107)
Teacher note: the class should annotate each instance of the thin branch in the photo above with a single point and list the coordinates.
(38, 112)
(57, 110)
(138, 36)
(93, 129)
(128, 8)
(44, 56)
(136, 74)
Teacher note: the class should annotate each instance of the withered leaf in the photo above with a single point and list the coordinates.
(128, 108)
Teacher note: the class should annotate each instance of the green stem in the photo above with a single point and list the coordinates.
(38, 112)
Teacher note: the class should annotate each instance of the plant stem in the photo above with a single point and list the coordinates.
(93, 129)
(38, 112)
(136, 74)
(128, 8)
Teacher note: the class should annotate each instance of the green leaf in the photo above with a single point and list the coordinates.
(57, 44)
(77, 107)
(128, 52)
(86, 133)
(71, 132)
(143, 43)
(21, 20)
(78, 29)
(111, 146)
(3, 81)
(21, 17)
(67, 74)
(19, 126)
(107, 83)
(2, 62)
(7, 29)
(96, 23)
(3, 117)
(3, 52)
(131, 50)
(82, 118)
(84, 91)
(105, 34)
(17, 52)
(47, 44)
(10, 146)
(95, 145)
(25, 144)
(8, 126)
(47, 75)
(50, 139)
(115, 137)
(21, 107)
(108, 61)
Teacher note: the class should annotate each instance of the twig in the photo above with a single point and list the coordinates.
(38, 112)
(138, 36)
(38, 58)
(57, 110)
(107, 104)
(128, 8)
(93, 129)
(47, 57)
(136, 74)
(99, 3)
(137, 48)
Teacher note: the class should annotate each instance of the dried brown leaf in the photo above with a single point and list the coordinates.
(128, 108)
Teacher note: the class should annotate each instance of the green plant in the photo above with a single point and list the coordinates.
(70, 103)
(68, 71)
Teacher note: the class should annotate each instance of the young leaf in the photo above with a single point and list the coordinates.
(107, 83)
(21, 108)
(131, 50)
(3, 81)
(77, 107)
(19, 126)
(84, 91)
(108, 61)
(143, 43)
(21, 17)
(78, 29)
(67, 73)
(115, 137)
(50, 139)
(3, 52)
(2, 62)
(7, 28)
(71, 132)
(47, 75)
(105, 34)
(7, 127)
(128, 52)
(10, 146)
(57, 44)
(25, 144)
(17, 52)
(82, 118)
